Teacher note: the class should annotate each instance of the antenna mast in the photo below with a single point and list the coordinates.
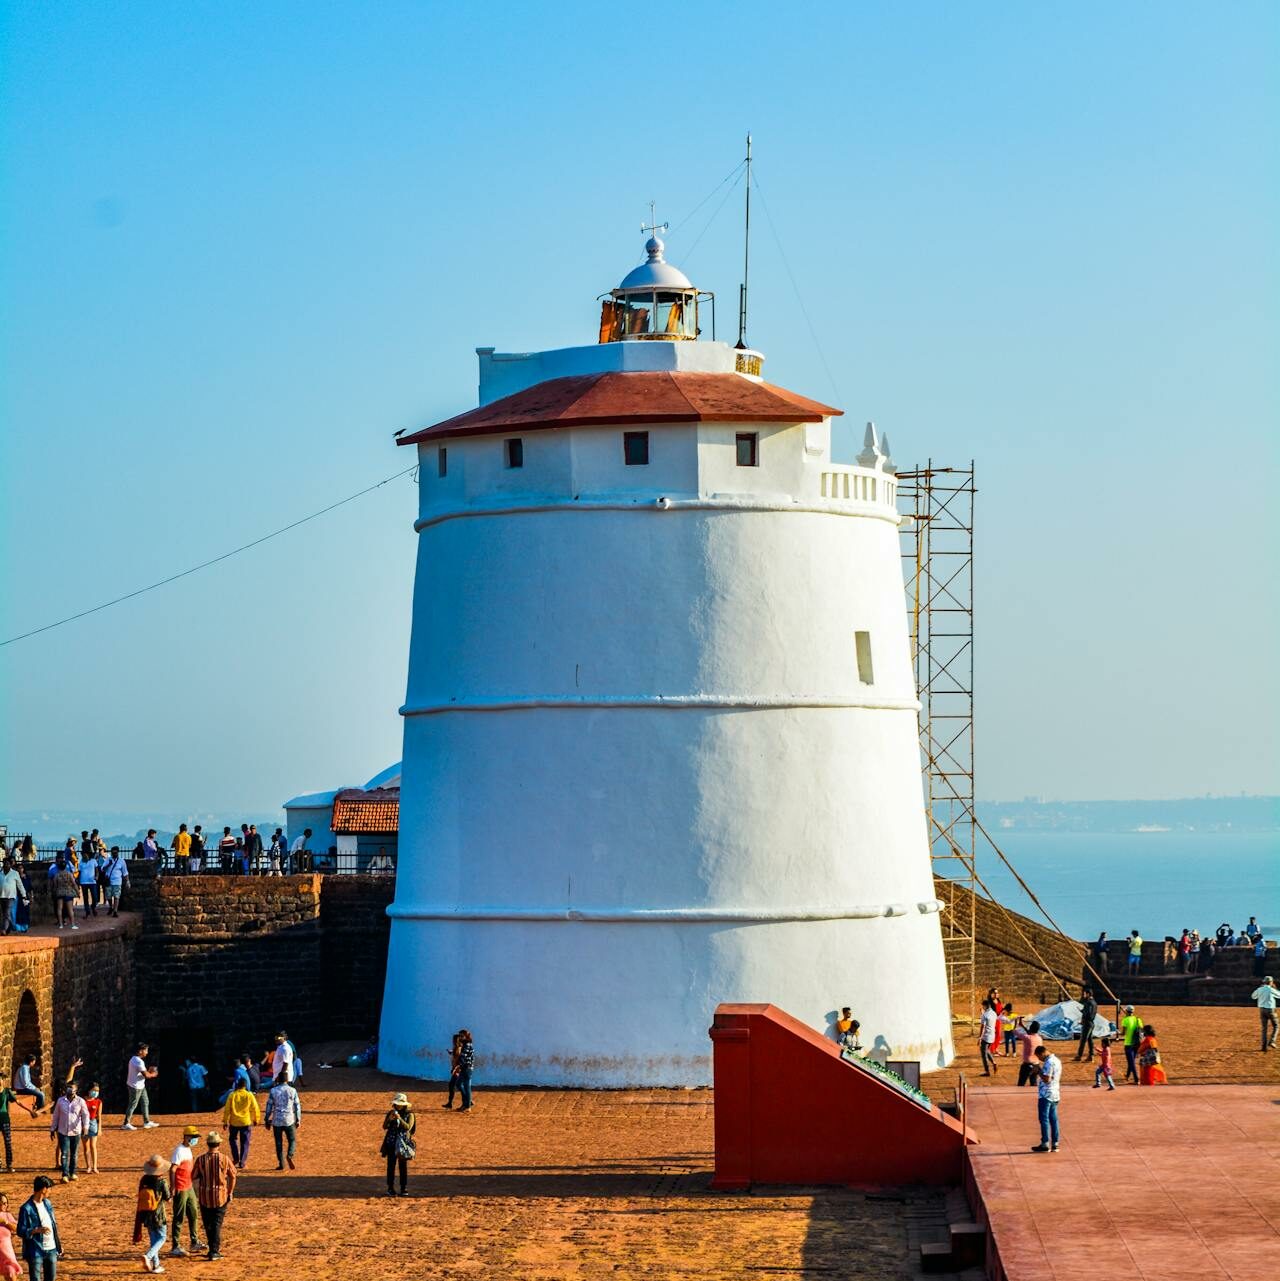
(746, 260)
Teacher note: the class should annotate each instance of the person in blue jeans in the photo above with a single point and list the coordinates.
(1048, 1097)
(466, 1064)
(38, 1232)
(23, 1084)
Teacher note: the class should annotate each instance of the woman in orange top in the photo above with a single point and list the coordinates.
(1149, 1070)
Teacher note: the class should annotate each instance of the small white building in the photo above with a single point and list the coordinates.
(660, 742)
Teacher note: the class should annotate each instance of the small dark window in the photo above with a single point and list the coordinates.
(748, 446)
(635, 448)
(442, 461)
(515, 452)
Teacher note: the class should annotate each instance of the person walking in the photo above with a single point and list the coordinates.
(1264, 997)
(149, 1215)
(240, 1113)
(8, 1096)
(87, 880)
(1048, 1095)
(12, 891)
(10, 1269)
(466, 1065)
(1088, 1013)
(1135, 952)
(1152, 1071)
(65, 892)
(115, 876)
(23, 1083)
(184, 1197)
(38, 1231)
(214, 1178)
(1104, 1066)
(988, 1032)
(1010, 1021)
(282, 1059)
(398, 1146)
(136, 1082)
(196, 1075)
(1131, 1030)
(283, 1114)
(69, 1124)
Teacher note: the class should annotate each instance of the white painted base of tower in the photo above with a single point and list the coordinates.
(607, 1004)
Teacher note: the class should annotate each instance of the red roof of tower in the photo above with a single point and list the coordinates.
(590, 400)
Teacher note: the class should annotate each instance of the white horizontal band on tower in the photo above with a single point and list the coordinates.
(673, 702)
(662, 915)
(865, 510)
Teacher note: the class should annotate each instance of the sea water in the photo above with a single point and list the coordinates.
(1155, 882)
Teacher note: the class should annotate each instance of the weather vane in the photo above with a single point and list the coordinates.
(653, 225)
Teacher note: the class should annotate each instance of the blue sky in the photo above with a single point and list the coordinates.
(244, 244)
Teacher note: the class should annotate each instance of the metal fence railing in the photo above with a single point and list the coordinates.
(378, 861)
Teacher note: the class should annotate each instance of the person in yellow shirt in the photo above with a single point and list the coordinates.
(1131, 1030)
(181, 850)
(1135, 952)
(240, 1114)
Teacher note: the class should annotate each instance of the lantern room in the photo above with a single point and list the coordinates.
(654, 303)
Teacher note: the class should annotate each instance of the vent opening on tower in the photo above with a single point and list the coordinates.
(862, 643)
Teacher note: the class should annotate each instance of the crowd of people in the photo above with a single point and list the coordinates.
(188, 1188)
(1196, 952)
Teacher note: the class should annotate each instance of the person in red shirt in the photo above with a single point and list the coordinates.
(185, 1206)
(93, 1102)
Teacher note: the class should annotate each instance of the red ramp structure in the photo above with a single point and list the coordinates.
(790, 1109)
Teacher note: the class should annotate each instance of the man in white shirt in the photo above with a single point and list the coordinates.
(1049, 1093)
(282, 1058)
(1265, 999)
(988, 1035)
(298, 852)
(136, 1080)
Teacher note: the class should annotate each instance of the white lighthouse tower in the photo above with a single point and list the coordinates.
(660, 743)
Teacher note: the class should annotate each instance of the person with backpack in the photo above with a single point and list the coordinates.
(149, 1214)
(115, 875)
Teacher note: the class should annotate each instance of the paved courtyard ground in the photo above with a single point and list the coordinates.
(545, 1184)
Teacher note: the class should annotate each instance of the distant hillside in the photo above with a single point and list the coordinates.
(124, 828)
(1198, 814)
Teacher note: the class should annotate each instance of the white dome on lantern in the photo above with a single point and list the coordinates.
(656, 272)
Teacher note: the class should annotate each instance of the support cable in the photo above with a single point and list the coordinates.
(173, 578)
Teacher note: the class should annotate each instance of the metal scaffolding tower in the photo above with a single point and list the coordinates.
(937, 553)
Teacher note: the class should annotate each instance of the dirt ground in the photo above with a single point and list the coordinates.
(537, 1184)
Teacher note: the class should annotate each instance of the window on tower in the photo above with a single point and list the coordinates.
(862, 643)
(748, 449)
(515, 452)
(635, 448)
(442, 461)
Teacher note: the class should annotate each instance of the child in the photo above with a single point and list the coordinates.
(1104, 1066)
(94, 1103)
(1009, 1020)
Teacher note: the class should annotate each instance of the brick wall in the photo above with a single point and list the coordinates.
(1005, 948)
(357, 930)
(26, 976)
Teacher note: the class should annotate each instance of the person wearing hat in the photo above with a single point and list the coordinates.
(150, 1214)
(214, 1178)
(184, 1197)
(399, 1127)
(1131, 1030)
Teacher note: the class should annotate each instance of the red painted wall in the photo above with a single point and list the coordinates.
(788, 1109)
